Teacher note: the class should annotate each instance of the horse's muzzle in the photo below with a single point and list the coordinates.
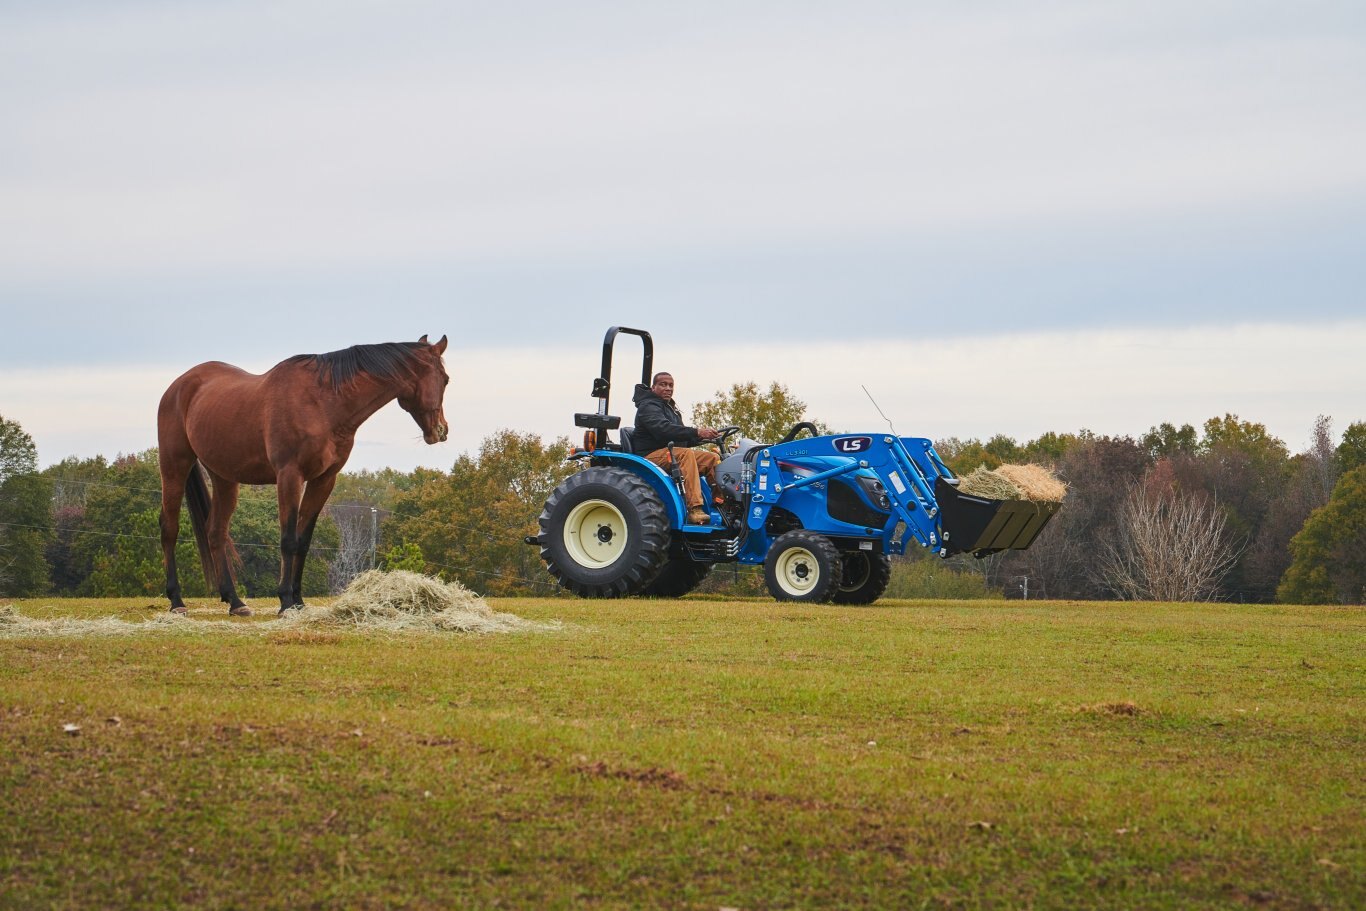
(438, 434)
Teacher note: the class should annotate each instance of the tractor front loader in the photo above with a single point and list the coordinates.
(822, 513)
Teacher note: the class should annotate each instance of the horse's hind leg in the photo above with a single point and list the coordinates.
(220, 514)
(173, 475)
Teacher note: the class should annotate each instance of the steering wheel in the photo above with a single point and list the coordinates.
(724, 434)
(798, 428)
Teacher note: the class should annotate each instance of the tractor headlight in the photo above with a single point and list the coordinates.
(873, 489)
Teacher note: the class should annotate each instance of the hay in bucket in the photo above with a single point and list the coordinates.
(983, 482)
(403, 601)
(1014, 482)
(1035, 482)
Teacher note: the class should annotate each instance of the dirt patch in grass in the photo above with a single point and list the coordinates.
(653, 776)
(302, 637)
(1112, 708)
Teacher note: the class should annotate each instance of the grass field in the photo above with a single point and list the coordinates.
(695, 754)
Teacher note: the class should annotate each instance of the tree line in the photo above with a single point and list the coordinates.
(1222, 512)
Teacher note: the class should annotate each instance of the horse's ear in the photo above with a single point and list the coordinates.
(423, 340)
(439, 347)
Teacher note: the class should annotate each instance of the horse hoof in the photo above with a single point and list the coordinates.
(179, 609)
(290, 607)
(240, 610)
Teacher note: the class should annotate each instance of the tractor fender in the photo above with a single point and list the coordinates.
(653, 475)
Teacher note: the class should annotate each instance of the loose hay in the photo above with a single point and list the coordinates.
(987, 483)
(1035, 482)
(374, 602)
(14, 625)
(1014, 482)
(403, 601)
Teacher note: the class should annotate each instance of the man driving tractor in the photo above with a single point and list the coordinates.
(659, 423)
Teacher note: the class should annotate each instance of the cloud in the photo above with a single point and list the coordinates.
(412, 134)
(1110, 382)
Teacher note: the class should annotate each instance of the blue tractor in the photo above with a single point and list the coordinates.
(822, 514)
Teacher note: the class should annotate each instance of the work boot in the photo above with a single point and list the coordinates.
(698, 516)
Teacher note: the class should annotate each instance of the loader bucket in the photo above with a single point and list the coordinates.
(980, 526)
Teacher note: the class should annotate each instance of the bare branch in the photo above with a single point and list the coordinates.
(1167, 547)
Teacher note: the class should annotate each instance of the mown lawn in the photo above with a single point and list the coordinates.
(695, 754)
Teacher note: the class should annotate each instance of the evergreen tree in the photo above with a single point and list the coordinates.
(1329, 564)
(24, 514)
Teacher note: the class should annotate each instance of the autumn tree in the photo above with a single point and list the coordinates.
(1061, 562)
(1329, 552)
(1245, 470)
(1306, 486)
(761, 415)
(1050, 448)
(1351, 452)
(1167, 440)
(964, 456)
(471, 524)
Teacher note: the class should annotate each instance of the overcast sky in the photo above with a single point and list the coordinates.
(999, 217)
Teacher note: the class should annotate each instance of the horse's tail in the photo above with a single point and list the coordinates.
(197, 500)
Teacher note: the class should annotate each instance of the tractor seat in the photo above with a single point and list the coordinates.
(625, 434)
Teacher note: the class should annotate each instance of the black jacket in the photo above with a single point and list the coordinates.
(658, 422)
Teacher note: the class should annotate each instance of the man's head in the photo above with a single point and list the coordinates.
(663, 385)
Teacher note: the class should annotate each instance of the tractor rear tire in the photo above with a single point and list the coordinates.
(678, 577)
(604, 533)
(864, 576)
(802, 566)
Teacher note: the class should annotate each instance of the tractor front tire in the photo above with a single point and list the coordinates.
(802, 566)
(678, 577)
(604, 533)
(864, 576)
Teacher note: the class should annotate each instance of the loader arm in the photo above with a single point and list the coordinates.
(921, 492)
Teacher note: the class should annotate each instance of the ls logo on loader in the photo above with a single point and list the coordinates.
(849, 445)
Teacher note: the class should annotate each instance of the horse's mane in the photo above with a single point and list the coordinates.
(387, 360)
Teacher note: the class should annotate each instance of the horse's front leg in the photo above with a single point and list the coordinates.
(289, 487)
(315, 498)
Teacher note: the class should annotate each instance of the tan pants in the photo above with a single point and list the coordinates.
(693, 463)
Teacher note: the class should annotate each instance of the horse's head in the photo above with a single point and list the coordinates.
(424, 400)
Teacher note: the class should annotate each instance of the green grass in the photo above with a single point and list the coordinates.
(696, 754)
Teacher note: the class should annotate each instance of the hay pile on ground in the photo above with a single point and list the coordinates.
(374, 602)
(14, 625)
(403, 601)
(1014, 482)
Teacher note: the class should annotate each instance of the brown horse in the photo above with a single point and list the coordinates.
(293, 427)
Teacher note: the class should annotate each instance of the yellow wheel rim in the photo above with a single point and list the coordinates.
(595, 534)
(797, 571)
